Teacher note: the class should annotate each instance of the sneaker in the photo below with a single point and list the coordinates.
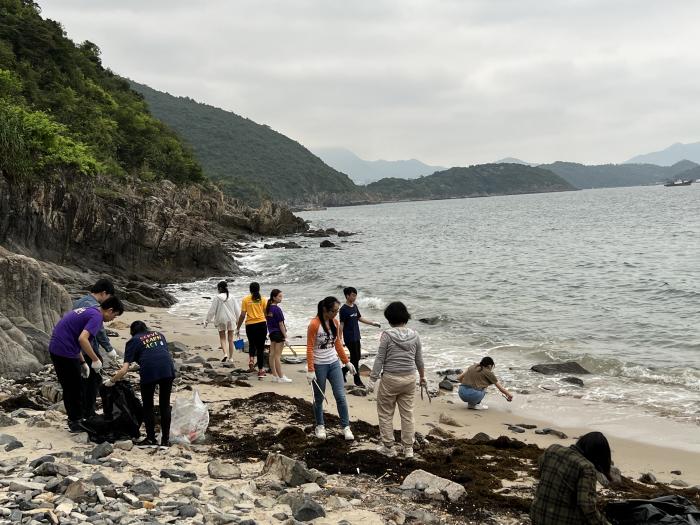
(347, 434)
(320, 432)
(408, 452)
(276, 379)
(147, 442)
(261, 373)
(284, 379)
(386, 451)
(477, 407)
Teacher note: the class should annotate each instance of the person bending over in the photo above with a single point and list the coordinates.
(149, 349)
(71, 340)
(475, 380)
(566, 492)
(398, 358)
(324, 353)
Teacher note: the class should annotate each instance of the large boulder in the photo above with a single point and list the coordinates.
(570, 367)
(430, 483)
(291, 471)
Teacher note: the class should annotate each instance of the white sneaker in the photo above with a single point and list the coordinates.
(478, 407)
(348, 434)
(320, 432)
(284, 379)
(408, 452)
(275, 379)
(386, 451)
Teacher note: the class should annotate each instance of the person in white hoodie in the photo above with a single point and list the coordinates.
(398, 358)
(223, 312)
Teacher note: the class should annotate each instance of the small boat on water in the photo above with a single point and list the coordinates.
(678, 182)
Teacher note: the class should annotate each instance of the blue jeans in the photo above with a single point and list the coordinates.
(471, 395)
(334, 374)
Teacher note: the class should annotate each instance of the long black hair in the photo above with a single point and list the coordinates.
(327, 304)
(222, 287)
(273, 294)
(595, 448)
(486, 361)
(255, 291)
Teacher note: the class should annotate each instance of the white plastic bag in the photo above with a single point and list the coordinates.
(189, 419)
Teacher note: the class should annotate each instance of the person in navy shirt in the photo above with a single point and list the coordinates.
(349, 324)
(149, 349)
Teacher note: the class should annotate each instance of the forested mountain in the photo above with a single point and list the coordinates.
(671, 155)
(247, 159)
(475, 181)
(365, 171)
(615, 175)
(60, 109)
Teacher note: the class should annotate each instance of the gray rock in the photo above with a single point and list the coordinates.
(648, 478)
(570, 367)
(573, 380)
(192, 491)
(5, 439)
(678, 483)
(446, 384)
(423, 516)
(131, 500)
(676, 472)
(452, 490)
(187, 511)
(6, 421)
(76, 491)
(447, 419)
(146, 486)
(221, 470)
(396, 515)
(281, 516)
(127, 445)
(43, 459)
(291, 471)
(18, 485)
(13, 445)
(553, 432)
(100, 480)
(176, 347)
(430, 320)
(307, 510)
(526, 425)
(102, 450)
(327, 244)
(178, 475)
(516, 429)
(52, 392)
(53, 469)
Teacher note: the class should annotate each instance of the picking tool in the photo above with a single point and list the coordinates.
(423, 387)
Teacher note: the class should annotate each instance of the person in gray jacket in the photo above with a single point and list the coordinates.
(102, 290)
(398, 358)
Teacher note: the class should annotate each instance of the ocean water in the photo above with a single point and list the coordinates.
(609, 278)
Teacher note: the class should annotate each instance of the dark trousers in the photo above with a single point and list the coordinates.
(89, 388)
(148, 390)
(257, 333)
(355, 353)
(68, 373)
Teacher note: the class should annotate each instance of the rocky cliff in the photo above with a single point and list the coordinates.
(30, 305)
(157, 231)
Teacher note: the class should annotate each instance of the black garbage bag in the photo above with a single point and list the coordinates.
(123, 415)
(666, 510)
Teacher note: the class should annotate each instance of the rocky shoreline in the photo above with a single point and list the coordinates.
(260, 463)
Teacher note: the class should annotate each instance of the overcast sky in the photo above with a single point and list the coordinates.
(450, 82)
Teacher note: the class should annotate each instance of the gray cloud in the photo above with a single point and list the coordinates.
(449, 82)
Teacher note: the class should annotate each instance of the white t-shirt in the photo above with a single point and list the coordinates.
(324, 347)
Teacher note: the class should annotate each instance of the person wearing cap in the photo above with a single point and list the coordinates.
(71, 341)
(102, 290)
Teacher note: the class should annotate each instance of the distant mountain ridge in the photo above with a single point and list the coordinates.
(671, 155)
(474, 181)
(616, 175)
(250, 161)
(363, 171)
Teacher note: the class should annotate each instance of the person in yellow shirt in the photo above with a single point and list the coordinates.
(253, 313)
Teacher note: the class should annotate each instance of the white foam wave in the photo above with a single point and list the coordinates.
(373, 303)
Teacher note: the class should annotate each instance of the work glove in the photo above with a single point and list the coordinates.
(108, 383)
(112, 354)
(311, 377)
(96, 365)
(370, 385)
(84, 370)
(351, 368)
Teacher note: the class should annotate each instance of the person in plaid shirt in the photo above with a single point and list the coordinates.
(566, 494)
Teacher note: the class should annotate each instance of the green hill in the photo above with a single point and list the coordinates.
(61, 110)
(475, 181)
(247, 159)
(616, 175)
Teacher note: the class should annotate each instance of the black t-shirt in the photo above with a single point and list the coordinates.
(150, 351)
(350, 317)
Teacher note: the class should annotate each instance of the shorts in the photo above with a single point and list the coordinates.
(225, 327)
(276, 337)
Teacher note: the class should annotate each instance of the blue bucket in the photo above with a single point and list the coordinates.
(239, 344)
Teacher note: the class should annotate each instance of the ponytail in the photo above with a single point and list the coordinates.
(255, 291)
(274, 293)
(222, 287)
(486, 361)
(325, 305)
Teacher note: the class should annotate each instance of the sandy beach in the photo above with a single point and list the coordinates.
(632, 456)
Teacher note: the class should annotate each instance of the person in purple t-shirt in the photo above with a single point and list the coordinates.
(73, 333)
(278, 335)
